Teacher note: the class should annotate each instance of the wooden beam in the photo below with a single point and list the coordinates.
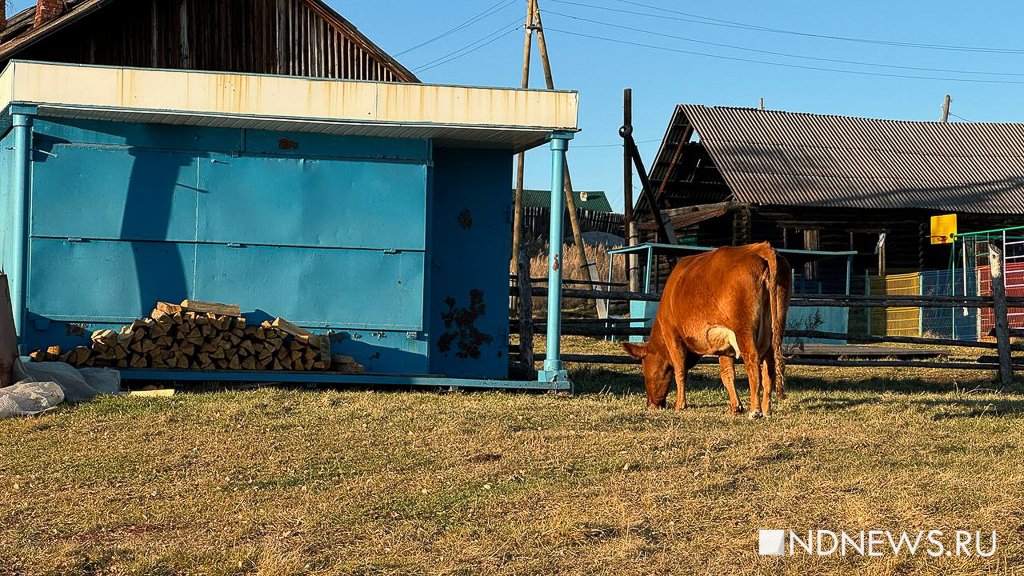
(995, 266)
(517, 216)
(589, 268)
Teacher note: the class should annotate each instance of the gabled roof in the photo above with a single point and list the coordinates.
(20, 33)
(781, 158)
(585, 200)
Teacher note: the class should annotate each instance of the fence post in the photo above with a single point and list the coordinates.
(525, 312)
(995, 265)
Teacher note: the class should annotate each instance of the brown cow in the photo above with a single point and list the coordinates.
(730, 302)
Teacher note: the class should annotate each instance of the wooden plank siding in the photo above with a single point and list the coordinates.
(290, 37)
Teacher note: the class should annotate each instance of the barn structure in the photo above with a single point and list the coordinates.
(833, 183)
(284, 37)
(352, 200)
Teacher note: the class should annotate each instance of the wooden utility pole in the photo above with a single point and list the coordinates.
(570, 199)
(945, 108)
(517, 217)
(632, 236)
(995, 266)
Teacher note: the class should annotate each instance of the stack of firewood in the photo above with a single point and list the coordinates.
(200, 336)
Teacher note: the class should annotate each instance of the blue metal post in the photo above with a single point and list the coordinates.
(553, 371)
(22, 125)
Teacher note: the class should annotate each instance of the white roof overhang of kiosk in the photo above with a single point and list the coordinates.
(452, 116)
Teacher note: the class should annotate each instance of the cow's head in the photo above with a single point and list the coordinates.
(657, 372)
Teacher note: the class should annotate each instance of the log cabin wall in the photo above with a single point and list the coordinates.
(289, 37)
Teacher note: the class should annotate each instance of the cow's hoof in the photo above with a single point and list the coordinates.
(754, 414)
(737, 410)
(680, 408)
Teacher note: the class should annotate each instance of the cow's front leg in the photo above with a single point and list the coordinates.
(728, 372)
(678, 360)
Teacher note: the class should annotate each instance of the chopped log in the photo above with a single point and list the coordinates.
(139, 361)
(104, 336)
(325, 350)
(168, 308)
(234, 363)
(211, 307)
(249, 363)
(53, 350)
(291, 329)
(195, 337)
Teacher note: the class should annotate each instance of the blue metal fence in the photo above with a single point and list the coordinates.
(958, 323)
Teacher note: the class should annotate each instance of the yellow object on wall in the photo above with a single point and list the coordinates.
(943, 228)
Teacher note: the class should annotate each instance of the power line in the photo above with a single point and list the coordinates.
(960, 117)
(784, 65)
(617, 145)
(783, 54)
(472, 46)
(708, 21)
(501, 5)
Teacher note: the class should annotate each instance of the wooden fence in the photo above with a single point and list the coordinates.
(998, 302)
(537, 222)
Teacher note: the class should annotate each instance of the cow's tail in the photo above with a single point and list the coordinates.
(778, 282)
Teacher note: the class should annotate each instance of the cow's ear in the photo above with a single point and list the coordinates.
(637, 351)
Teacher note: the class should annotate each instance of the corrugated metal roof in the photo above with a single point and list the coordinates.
(594, 201)
(771, 157)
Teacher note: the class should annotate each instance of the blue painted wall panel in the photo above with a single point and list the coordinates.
(262, 143)
(321, 202)
(104, 280)
(316, 288)
(52, 132)
(470, 242)
(115, 193)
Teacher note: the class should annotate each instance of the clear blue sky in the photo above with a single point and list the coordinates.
(600, 69)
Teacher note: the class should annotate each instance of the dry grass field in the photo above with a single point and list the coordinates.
(291, 481)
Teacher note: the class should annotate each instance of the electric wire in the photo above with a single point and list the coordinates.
(473, 46)
(783, 54)
(501, 5)
(781, 64)
(708, 21)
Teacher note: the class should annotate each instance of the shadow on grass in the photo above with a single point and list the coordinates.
(592, 380)
(971, 408)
